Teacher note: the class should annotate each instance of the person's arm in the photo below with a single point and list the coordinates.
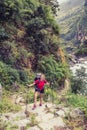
(36, 82)
(31, 85)
(47, 83)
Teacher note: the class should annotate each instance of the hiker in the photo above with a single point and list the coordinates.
(39, 88)
(0, 92)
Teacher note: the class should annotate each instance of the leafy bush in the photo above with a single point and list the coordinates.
(23, 76)
(6, 10)
(8, 75)
(6, 106)
(35, 24)
(82, 51)
(77, 101)
(78, 82)
(29, 96)
(50, 95)
(76, 85)
(3, 34)
(8, 52)
(52, 68)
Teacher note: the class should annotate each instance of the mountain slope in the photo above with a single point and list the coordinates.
(70, 19)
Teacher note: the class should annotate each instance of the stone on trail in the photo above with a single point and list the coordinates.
(61, 113)
(43, 115)
(21, 123)
(34, 128)
(48, 125)
(76, 113)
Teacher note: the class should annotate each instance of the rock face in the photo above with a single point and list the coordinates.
(85, 6)
(85, 3)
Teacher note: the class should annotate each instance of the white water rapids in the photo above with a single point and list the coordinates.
(82, 62)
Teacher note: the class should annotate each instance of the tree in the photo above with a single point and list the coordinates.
(54, 4)
(79, 83)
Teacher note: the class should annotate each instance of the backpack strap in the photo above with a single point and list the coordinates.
(36, 85)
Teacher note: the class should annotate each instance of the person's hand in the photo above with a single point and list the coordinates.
(28, 85)
(31, 85)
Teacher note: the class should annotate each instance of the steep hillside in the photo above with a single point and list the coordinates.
(67, 5)
(72, 20)
(28, 41)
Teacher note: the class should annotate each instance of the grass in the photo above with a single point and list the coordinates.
(7, 126)
(7, 106)
(77, 101)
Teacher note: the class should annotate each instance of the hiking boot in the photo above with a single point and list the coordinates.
(34, 107)
(40, 104)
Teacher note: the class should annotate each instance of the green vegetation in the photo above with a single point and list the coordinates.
(77, 101)
(7, 106)
(82, 51)
(7, 126)
(28, 41)
(72, 20)
(78, 82)
(10, 75)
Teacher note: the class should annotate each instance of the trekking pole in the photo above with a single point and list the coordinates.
(52, 92)
(26, 107)
(52, 88)
(51, 84)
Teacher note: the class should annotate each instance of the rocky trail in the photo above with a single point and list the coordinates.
(46, 117)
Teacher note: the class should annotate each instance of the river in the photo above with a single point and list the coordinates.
(82, 62)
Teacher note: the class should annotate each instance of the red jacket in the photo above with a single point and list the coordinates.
(40, 83)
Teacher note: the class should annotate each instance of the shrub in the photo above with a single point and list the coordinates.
(6, 106)
(8, 52)
(78, 82)
(53, 70)
(23, 76)
(50, 95)
(34, 25)
(29, 96)
(77, 101)
(3, 34)
(8, 75)
(82, 51)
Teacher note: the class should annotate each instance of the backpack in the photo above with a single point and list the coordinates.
(37, 77)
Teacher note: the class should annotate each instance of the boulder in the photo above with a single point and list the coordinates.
(60, 113)
(48, 125)
(77, 112)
